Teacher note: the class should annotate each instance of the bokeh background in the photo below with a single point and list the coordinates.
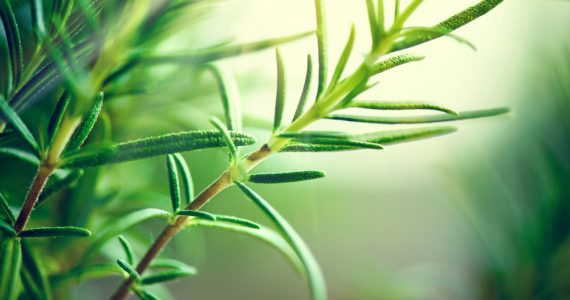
(479, 214)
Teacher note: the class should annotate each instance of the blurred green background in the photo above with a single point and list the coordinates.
(480, 214)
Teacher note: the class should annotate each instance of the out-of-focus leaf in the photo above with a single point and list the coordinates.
(280, 94)
(342, 61)
(15, 50)
(322, 44)
(130, 270)
(168, 275)
(11, 260)
(21, 155)
(35, 273)
(400, 106)
(58, 184)
(13, 119)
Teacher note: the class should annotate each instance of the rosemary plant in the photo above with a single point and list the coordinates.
(84, 51)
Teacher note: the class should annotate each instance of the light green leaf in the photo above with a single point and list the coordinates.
(232, 149)
(313, 271)
(343, 59)
(196, 214)
(13, 119)
(186, 177)
(417, 32)
(238, 221)
(127, 249)
(322, 44)
(328, 138)
(306, 89)
(130, 270)
(400, 106)
(57, 117)
(394, 62)
(230, 98)
(373, 22)
(286, 176)
(280, 94)
(55, 232)
(149, 147)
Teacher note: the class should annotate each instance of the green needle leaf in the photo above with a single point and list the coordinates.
(166, 263)
(232, 149)
(57, 116)
(21, 155)
(322, 46)
(83, 131)
(314, 273)
(173, 182)
(57, 185)
(286, 176)
(306, 89)
(421, 119)
(280, 95)
(238, 221)
(38, 23)
(401, 106)
(12, 117)
(230, 98)
(169, 275)
(186, 177)
(119, 225)
(127, 249)
(85, 273)
(10, 262)
(55, 232)
(35, 274)
(326, 138)
(418, 32)
(196, 214)
(5, 210)
(130, 270)
(394, 62)
(7, 229)
(451, 24)
(373, 22)
(343, 59)
(145, 295)
(13, 40)
(149, 147)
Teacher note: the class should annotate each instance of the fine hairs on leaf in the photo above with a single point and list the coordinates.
(306, 89)
(280, 94)
(55, 232)
(286, 176)
(173, 182)
(186, 177)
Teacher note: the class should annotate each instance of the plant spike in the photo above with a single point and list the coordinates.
(14, 41)
(286, 176)
(232, 148)
(7, 229)
(306, 89)
(12, 117)
(421, 119)
(373, 23)
(230, 98)
(173, 182)
(186, 177)
(396, 9)
(322, 44)
(55, 232)
(82, 132)
(280, 94)
(127, 249)
(314, 273)
(343, 58)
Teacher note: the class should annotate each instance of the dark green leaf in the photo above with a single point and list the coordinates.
(238, 221)
(286, 177)
(152, 146)
(466, 16)
(280, 94)
(186, 177)
(7, 229)
(306, 89)
(395, 61)
(131, 271)
(196, 214)
(421, 119)
(13, 119)
(21, 155)
(167, 276)
(11, 259)
(13, 40)
(35, 273)
(313, 271)
(58, 184)
(127, 249)
(400, 106)
(54, 232)
(232, 149)
(145, 295)
(82, 132)
(120, 224)
(5, 210)
(322, 44)
(38, 23)
(166, 263)
(343, 58)
(173, 183)
(57, 116)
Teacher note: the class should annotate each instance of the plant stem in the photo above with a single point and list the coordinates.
(37, 185)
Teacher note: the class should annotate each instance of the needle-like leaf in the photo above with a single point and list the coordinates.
(421, 119)
(286, 176)
(166, 263)
(238, 221)
(280, 94)
(464, 17)
(173, 182)
(15, 50)
(169, 275)
(373, 22)
(186, 177)
(130, 270)
(127, 249)
(55, 232)
(230, 98)
(37, 13)
(415, 33)
(145, 295)
(232, 148)
(35, 275)
(306, 89)
(21, 155)
(390, 137)
(400, 106)
(396, 61)
(5, 210)
(82, 132)
(10, 262)
(322, 44)
(57, 116)
(325, 138)
(314, 273)
(196, 214)
(13, 119)
(149, 147)
(7, 229)
(343, 59)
